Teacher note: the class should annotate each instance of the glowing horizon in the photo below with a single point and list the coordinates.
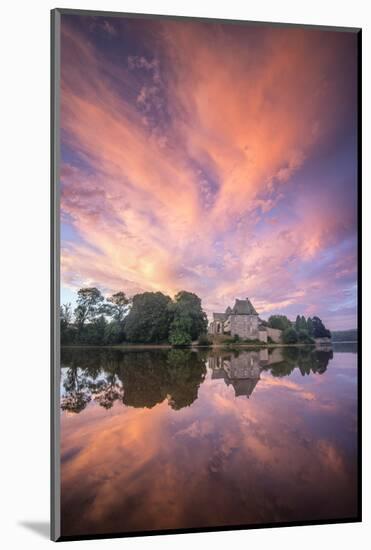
(215, 158)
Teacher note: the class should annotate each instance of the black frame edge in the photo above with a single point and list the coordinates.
(359, 268)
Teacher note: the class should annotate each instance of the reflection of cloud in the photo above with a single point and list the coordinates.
(222, 459)
(176, 179)
(330, 457)
(267, 383)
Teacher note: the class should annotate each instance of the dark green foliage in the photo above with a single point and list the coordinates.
(280, 322)
(117, 306)
(180, 329)
(93, 334)
(204, 340)
(89, 302)
(90, 325)
(301, 324)
(304, 337)
(187, 306)
(319, 329)
(99, 330)
(188, 319)
(149, 318)
(302, 330)
(289, 336)
(310, 326)
(68, 331)
(114, 333)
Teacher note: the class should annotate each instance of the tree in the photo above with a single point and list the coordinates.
(68, 330)
(99, 331)
(118, 306)
(310, 326)
(289, 336)
(114, 333)
(89, 302)
(204, 340)
(180, 331)
(319, 329)
(65, 315)
(149, 318)
(301, 327)
(297, 322)
(304, 337)
(188, 314)
(280, 322)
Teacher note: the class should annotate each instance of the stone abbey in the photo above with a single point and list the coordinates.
(243, 321)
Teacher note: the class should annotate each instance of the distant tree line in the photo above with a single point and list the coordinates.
(301, 331)
(345, 335)
(149, 317)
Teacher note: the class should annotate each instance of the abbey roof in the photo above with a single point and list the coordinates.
(243, 307)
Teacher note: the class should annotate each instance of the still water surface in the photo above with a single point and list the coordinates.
(176, 439)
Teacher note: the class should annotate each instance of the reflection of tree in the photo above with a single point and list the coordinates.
(321, 360)
(138, 379)
(77, 394)
(107, 391)
(146, 378)
(307, 360)
(143, 377)
(186, 372)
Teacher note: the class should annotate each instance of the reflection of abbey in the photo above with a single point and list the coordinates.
(242, 320)
(242, 371)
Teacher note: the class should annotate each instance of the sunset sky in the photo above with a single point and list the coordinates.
(210, 157)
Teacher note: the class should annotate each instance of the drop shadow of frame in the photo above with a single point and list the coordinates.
(41, 528)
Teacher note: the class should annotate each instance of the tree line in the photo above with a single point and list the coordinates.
(146, 318)
(302, 330)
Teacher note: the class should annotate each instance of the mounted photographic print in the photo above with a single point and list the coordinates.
(205, 281)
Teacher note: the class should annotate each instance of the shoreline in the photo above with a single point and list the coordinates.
(192, 347)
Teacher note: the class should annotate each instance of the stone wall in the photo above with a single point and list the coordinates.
(275, 334)
(245, 326)
(263, 335)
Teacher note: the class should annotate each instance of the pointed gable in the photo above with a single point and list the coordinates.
(243, 307)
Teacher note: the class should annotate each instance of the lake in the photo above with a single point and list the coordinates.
(177, 439)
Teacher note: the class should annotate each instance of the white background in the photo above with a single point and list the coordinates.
(24, 254)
